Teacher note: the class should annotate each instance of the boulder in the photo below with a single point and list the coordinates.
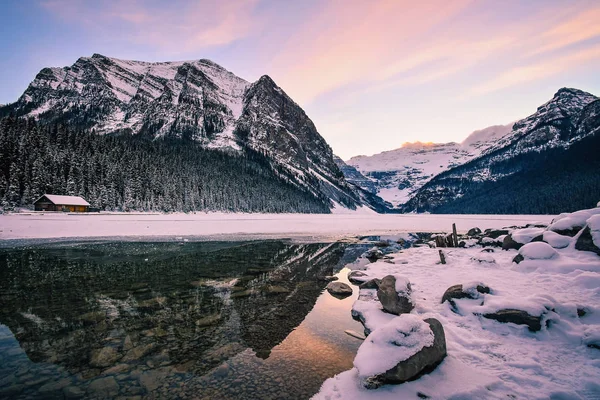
(357, 277)
(474, 232)
(496, 233)
(374, 254)
(394, 295)
(423, 362)
(518, 258)
(339, 289)
(372, 284)
(518, 317)
(555, 240)
(537, 251)
(457, 292)
(585, 242)
(509, 243)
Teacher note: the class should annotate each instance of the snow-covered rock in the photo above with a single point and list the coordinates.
(394, 293)
(538, 251)
(556, 240)
(571, 223)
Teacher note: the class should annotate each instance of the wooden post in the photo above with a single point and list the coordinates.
(442, 257)
(454, 236)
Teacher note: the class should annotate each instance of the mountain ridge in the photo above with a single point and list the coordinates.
(191, 100)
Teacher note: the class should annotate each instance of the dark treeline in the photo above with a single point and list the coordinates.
(133, 173)
(549, 182)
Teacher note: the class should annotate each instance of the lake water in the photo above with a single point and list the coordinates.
(212, 320)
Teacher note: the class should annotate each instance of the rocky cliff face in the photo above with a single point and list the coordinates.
(556, 142)
(397, 174)
(192, 100)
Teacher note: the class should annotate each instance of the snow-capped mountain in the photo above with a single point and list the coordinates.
(397, 174)
(191, 100)
(553, 151)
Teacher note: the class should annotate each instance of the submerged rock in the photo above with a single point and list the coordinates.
(104, 357)
(518, 317)
(339, 289)
(394, 295)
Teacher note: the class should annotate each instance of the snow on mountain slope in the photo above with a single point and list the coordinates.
(192, 100)
(398, 173)
(562, 129)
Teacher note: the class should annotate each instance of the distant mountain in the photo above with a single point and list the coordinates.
(548, 163)
(195, 101)
(395, 175)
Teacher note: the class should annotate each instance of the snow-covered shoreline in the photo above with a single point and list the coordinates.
(556, 282)
(210, 226)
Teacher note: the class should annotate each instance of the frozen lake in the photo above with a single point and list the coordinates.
(221, 226)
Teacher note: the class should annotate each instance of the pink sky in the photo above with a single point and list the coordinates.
(371, 74)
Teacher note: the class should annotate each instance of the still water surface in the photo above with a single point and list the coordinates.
(230, 320)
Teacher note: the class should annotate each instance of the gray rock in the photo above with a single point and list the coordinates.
(104, 357)
(394, 302)
(105, 388)
(510, 243)
(339, 289)
(374, 254)
(456, 292)
(518, 258)
(328, 278)
(357, 277)
(495, 234)
(372, 284)
(419, 364)
(585, 242)
(518, 317)
(474, 232)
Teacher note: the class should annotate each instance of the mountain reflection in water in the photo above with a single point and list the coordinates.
(192, 320)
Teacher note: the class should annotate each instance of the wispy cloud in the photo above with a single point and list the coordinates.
(178, 27)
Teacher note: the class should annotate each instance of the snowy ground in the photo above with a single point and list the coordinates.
(241, 226)
(488, 359)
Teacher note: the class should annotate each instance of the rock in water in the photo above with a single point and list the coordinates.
(104, 357)
(518, 317)
(339, 289)
(394, 295)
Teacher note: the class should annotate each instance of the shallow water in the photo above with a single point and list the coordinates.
(214, 320)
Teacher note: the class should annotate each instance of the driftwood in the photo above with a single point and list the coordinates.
(442, 257)
(454, 235)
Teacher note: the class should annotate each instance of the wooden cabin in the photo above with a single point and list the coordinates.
(52, 202)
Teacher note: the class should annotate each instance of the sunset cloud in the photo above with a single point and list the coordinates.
(355, 66)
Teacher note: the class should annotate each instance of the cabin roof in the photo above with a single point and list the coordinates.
(65, 200)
